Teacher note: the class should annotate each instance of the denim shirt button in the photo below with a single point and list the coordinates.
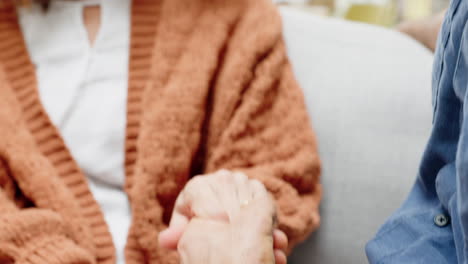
(441, 220)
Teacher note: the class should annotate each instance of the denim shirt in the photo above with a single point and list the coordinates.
(431, 227)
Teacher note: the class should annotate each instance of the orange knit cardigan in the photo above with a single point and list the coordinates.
(210, 88)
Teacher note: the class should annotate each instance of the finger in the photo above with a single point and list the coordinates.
(225, 188)
(169, 238)
(182, 211)
(181, 215)
(260, 194)
(233, 193)
(257, 189)
(280, 257)
(201, 200)
(242, 189)
(280, 240)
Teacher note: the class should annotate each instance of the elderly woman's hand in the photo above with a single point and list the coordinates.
(225, 217)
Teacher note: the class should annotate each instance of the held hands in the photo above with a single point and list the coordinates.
(225, 217)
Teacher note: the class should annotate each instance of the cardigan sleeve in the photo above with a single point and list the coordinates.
(267, 135)
(32, 235)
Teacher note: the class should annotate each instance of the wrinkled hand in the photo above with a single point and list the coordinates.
(225, 218)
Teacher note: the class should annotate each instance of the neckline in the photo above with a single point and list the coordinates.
(57, 6)
(21, 75)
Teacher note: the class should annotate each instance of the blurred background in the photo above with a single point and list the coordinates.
(380, 12)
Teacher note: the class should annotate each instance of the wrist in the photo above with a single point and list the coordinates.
(253, 247)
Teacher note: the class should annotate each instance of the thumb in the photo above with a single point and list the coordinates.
(169, 238)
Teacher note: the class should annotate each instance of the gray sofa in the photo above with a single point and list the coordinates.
(368, 93)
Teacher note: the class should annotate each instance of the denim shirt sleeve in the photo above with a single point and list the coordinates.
(411, 234)
(460, 84)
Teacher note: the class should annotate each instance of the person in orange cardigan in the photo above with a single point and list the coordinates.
(151, 131)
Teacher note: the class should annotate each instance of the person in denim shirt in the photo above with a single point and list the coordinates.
(432, 224)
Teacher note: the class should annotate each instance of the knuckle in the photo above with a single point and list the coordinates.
(256, 184)
(195, 182)
(240, 176)
(224, 175)
(223, 172)
(193, 187)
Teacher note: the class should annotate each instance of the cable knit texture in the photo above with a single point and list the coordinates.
(210, 88)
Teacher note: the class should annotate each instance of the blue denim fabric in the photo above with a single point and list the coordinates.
(411, 235)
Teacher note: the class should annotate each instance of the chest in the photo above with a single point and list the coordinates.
(172, 81)
(83, 84)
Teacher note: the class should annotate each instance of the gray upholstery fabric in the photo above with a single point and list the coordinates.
(368, 92)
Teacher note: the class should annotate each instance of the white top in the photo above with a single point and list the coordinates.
(84, 90)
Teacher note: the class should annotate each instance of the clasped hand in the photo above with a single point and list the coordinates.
(225, 217)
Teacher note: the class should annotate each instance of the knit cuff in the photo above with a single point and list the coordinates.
(54, 249)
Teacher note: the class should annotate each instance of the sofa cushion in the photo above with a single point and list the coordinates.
(368, 92)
